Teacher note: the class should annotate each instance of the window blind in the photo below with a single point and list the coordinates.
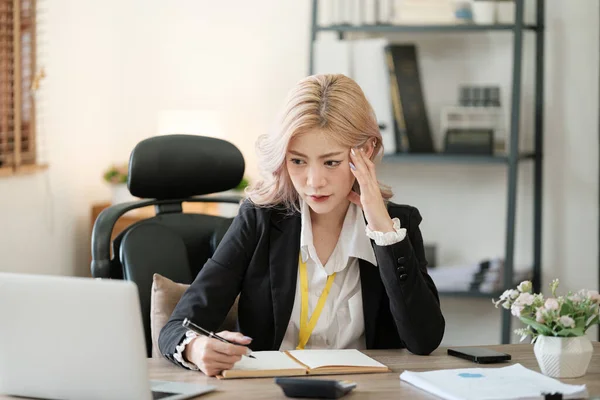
(18, 82)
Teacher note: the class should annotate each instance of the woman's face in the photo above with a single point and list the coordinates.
(319, 170)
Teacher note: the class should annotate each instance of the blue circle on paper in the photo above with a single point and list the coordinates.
(469, 375)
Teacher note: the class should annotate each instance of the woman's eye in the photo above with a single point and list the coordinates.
(332, 163)
(296, 161)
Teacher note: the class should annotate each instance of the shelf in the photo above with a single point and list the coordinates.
(452, 158)
(422, 28)
(514, 157)
(493, 295)
(22, 170)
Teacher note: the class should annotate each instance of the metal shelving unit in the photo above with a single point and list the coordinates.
(514, 156)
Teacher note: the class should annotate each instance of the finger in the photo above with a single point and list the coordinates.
(358, 168)
(370, 185)
(365, 165)
(355, 198)
(210, 371)
(367, 187)
(356, 157)
(214, 356)
(236, 337)
(226, 348)
(367, 162)
(215, 369)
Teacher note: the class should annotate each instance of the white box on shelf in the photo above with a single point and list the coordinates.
(460, 117)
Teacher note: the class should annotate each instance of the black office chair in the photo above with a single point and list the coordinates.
(166, 171)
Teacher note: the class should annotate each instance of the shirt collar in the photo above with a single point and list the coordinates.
(353, 241)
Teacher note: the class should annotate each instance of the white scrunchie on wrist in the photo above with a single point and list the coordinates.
(387, 238)
(189, 336)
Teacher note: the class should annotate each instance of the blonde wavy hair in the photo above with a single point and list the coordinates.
(336, 106)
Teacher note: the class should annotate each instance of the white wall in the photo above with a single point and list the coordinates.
(113, 65)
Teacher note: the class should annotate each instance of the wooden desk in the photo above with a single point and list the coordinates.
(369, 386)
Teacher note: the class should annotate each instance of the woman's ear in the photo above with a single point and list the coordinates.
(369, 147)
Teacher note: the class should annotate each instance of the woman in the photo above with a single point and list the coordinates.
(317, 231)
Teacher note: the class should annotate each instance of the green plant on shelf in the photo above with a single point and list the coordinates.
(116, 174)
(244, 183)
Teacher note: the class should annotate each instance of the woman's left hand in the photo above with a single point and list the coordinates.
(370, 199)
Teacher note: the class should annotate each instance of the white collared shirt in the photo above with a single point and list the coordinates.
(341, 324)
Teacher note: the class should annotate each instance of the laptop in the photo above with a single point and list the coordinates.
(76, 338)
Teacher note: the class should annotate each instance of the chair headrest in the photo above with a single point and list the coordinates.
(180, 166)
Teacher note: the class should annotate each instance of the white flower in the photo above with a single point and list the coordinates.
(525, 299)
(539, 316)
(593, 295)
(516, 310)
(509, 294)
(575, 298)
(553, 286)
(524, 286)
(523, 333)
(567, 321)
(551, 304)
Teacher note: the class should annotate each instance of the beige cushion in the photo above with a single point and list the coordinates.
(165, 295)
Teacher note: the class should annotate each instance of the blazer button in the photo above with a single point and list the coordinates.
(401, 260)
(403, 277)
(401, 270)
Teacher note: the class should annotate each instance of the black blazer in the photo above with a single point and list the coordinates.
(258, 259)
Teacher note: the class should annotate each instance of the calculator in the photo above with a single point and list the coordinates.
(314, 388)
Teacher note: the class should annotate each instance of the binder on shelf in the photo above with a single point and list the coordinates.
(402, 145)
(408, 93)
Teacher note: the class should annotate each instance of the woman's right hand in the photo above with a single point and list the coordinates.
(212, 356)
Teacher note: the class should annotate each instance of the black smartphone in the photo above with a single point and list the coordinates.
(479, 355)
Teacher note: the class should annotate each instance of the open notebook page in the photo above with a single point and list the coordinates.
(266, 361)
(333, 358)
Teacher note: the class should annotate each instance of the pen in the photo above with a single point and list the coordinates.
(201, 331)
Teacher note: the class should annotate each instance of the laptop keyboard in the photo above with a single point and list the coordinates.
(161, 395)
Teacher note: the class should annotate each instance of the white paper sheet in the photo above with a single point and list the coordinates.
(513, 382)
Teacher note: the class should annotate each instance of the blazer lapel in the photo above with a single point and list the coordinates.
(371, 286)
(283, 266)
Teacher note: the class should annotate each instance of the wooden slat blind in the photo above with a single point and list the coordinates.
(17, 73)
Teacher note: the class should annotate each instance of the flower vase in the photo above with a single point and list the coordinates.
(563, 357)
(120, 194)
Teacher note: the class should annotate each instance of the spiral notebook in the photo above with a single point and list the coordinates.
(303, 362)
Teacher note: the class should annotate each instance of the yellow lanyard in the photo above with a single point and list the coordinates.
(306, 326)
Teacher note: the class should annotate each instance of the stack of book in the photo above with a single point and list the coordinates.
(408, 12)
